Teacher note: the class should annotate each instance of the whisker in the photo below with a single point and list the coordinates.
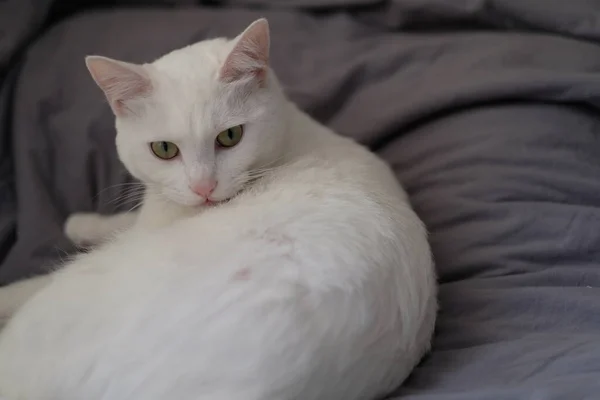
(127, 185)
(273, 161)
(126, 197)
(135, 197)
(134, 208)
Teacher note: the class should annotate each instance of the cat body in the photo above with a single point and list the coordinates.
(312, 279)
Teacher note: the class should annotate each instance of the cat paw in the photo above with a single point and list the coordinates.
(84, 229)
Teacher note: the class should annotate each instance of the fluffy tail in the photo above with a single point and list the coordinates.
(13, 296)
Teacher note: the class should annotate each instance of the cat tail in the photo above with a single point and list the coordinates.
(13, 296)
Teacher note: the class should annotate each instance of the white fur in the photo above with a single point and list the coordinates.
(314, 282)
(86, 229)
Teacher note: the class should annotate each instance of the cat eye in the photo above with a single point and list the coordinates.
(230, 137)
(164, 150)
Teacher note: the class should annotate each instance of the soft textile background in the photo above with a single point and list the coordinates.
(487, 110)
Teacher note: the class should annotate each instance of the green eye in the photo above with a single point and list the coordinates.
(164, 150)
(230, 137)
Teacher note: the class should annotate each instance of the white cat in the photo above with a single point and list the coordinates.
(271, 259)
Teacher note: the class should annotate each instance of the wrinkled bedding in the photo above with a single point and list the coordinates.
(488, 111)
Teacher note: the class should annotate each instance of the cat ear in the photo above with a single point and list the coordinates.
(250, 55)
(121, 82)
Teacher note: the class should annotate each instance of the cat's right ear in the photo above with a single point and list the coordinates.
(122, 83)
(250, 55)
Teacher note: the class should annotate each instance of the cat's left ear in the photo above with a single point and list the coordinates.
(122, 83)
(249, 58)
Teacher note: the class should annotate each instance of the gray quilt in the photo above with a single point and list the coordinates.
(488, 110)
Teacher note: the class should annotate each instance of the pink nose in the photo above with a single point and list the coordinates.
(204, 189)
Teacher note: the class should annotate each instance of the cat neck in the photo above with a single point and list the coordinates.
(308, 137)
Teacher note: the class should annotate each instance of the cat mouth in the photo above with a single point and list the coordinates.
(208, 202)
(212, 202)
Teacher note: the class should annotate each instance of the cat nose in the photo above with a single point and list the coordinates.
(204, 189)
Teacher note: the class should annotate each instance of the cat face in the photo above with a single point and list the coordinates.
(196, 124)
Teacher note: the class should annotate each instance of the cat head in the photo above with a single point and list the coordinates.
(196, 124)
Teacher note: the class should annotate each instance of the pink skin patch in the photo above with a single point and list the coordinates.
(242, 275)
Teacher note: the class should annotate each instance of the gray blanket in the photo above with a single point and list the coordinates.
(487, 110)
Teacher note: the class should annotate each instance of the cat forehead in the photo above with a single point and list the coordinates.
(202, 58)
(189, 98)
(188, 77)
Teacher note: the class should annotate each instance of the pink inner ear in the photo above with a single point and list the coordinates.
(250, 55)
(121, 82)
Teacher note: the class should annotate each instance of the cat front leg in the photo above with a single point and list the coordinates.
(89, 229)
